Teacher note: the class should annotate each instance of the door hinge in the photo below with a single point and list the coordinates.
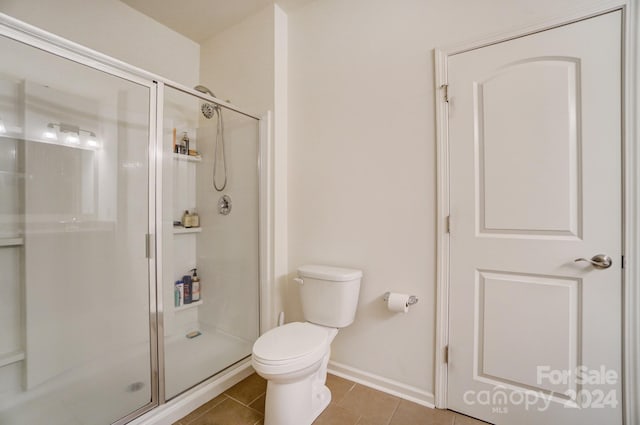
(445, 90)
(445, 355)
(447, 224)
(148, 245)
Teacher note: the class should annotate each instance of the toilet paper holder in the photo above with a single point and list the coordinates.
(412, 298)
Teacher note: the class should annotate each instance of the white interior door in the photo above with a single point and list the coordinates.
(535, 183)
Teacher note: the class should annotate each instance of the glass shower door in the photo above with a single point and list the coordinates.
(75, 344)
(211, 324)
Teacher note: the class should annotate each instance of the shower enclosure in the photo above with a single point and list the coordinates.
(92, 197)
(223, 247)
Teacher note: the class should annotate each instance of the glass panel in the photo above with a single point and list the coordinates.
(74, 287)
(206, 336)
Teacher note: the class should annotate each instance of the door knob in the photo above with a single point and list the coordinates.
(599, 261)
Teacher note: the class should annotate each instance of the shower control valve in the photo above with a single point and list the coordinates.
(224, 205)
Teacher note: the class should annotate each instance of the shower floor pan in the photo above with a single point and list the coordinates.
(191, 361)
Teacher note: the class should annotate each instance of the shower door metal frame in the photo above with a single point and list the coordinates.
(49, 43)
(159, 342)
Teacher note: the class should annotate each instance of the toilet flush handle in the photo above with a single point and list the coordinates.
(298, 280)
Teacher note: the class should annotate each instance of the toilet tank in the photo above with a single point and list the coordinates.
(329, 295)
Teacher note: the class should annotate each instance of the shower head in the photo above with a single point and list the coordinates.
(208, 110)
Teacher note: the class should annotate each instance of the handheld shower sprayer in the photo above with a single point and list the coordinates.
(209, 110)
(205, 90)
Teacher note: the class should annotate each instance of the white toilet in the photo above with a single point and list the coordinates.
(293, 358)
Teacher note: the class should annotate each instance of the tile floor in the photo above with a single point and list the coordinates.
(352, 404)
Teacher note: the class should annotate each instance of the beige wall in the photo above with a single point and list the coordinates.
(362, 164)
(237, 64)
(113, 28)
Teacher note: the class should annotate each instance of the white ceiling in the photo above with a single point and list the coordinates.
(202, 19)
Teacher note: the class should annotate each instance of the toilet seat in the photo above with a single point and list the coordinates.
(291, 347)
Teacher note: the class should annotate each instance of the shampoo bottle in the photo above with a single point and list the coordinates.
(195, 286)
(178, 294)
(187, 289)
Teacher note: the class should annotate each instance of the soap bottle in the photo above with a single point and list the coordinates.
(195, 286)
(187, 289)
(186, 219)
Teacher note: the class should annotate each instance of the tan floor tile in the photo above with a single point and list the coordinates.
(374, 406)
(338, 387)
(248, 390)
(351, 404)
(336, 415)
(368, 421)
(258, 404)
(229, 412)
(467, 420)
(409, 413)
(202, 409)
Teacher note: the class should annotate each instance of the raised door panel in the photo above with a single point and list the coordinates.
(527, 324)
(519, 133)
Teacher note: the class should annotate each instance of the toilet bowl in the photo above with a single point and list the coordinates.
(293, 358)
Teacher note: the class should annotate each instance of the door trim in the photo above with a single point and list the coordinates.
(631, 195)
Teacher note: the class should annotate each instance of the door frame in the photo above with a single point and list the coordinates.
(631, 195)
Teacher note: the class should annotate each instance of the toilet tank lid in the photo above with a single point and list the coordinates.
(336, 274)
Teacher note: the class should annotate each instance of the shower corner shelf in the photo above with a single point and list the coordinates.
(188, 306)
(11, 242)
(189, 158)
(185, 230)
(10, 358)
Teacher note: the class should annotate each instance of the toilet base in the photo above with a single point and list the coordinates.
(298, 401)
(300, 409)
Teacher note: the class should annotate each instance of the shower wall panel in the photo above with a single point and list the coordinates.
(228, 247)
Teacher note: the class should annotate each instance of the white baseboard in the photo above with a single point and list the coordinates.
(184, 404)
(385, 385)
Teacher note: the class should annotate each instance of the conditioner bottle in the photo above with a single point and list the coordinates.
(195, 286)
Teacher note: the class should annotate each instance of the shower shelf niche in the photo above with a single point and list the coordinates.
(11, 242)
(190, 158)
(10, 358)
(185, 230)
(188, 306)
